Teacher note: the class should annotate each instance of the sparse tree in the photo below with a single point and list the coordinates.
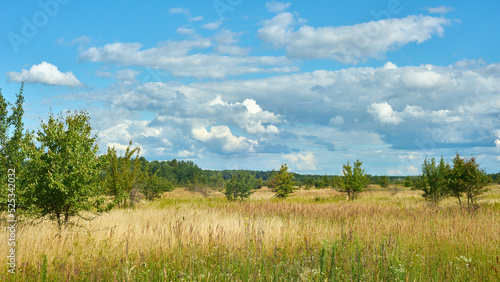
(239, 186)
(272, 181)
(284, 180)
(123, 176)
(309, 183)
(217, 181)
(433, 180)
(64, 168)
(384, 181)
(408, 182)
(336, 182)
(154, 186)
(354, 179)
(467, 178)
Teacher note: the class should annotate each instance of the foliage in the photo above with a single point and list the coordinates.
(324, 182)
(336, 181)
(240, 186)
(308, 183)
(433, 180)
(408, 182)
(283, 186)
(64, 168)
(273, 180)
(123, 176)
(217, 181)
(384, 181)
(259, 183)
(466, 178)
(155, 186)
(12, 154)
(354, 179)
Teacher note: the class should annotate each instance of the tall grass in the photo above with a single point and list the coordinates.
(316, 235)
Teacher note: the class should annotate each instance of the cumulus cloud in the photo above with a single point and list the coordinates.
(45, 73)
(497, 141)
(384, 113)
(303, 162)
(277, 7)
(366, 108)
(222, 137)
(348, 44)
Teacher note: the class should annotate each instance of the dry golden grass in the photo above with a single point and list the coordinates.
(310, 217)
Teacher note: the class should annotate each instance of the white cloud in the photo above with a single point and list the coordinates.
(45, 73)
(184, 30)
(82, 40)
(226, 40)
(221, 136)
(179, 11)
(384, 113)
(175, 58)
(303, 162)
(212, 25)
(185, 12)
(277, 7)
(461, 112)
(390, 66)
(127, 75)
(338, 120)
(348, 44)
(440, 9)
(497, 141)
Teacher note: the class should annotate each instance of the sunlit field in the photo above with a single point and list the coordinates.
(315, 235)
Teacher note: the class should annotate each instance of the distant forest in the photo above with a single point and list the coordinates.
(185, 173)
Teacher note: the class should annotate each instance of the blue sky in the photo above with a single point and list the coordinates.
(239, 84)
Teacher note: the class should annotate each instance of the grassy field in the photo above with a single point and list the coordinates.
(315, 235)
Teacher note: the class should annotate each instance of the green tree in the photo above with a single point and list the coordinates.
(272, 181)
(123, 176)
(354, 179)
(384, 181)
(217, 181)
(284, 180)
(12, 153)
(239, 186)
(154, 186)
(64, 168)
(408, 182)
(336, 182)
(433, 180)
(309, 183)
(467, 178)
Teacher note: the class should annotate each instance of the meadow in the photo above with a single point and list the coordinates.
(314, 235)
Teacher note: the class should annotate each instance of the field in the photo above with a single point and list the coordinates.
(315, 235)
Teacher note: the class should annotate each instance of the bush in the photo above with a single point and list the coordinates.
(155, 186)
(240, 186)
(384, 181)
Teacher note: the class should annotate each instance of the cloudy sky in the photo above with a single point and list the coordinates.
(240, 84)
